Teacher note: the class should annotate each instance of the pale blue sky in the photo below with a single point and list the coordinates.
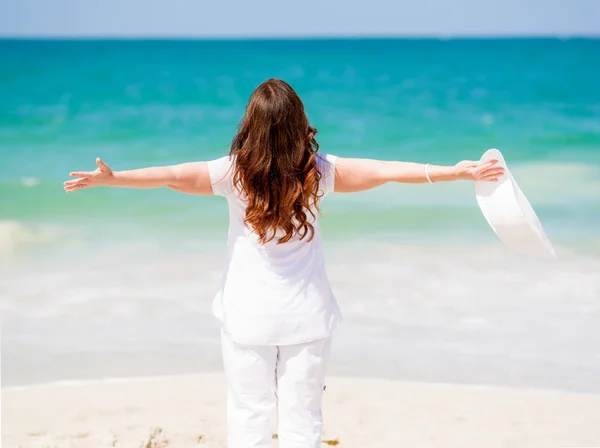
(231, 18)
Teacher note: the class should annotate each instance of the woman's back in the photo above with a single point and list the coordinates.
(273, 293)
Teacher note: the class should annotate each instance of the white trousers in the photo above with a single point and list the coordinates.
(262, 379)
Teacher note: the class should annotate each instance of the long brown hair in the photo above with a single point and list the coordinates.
(275, 165)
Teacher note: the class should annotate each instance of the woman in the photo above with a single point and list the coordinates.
(274, 301)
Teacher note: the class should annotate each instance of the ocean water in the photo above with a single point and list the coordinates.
(108, 282)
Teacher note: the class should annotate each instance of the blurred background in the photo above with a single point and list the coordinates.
(109, 283)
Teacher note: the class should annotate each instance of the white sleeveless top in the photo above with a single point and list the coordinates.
(273, 294)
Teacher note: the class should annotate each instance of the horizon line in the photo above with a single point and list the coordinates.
(442, 36)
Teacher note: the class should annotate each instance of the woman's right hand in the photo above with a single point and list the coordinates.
(102, 175)
(468, 170)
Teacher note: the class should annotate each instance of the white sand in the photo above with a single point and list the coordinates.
(188, 411)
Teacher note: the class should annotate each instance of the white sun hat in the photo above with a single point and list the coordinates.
(510, 215)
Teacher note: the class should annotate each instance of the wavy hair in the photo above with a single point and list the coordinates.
(275, 164)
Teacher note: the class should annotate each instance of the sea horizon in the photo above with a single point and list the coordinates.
(318, 37)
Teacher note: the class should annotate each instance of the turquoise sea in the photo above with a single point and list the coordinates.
(119, 282)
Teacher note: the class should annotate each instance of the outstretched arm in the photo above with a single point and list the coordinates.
(191, 178)
(352, 175)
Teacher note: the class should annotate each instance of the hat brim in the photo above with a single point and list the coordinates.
(510, 214)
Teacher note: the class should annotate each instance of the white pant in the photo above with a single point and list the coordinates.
(261, 378)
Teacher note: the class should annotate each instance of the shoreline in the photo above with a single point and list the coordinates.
(163, 412)
(88, 382)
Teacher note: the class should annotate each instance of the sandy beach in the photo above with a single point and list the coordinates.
(189, 410)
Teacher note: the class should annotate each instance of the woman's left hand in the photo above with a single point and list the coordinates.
(489, 172)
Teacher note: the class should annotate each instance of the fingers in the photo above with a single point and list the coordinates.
(76, 184)
(83, 177)
(487, 168)
(103, 166)
(496, 172)
(71, 182)
(72, 188)
(488, 179)
(491, 175)
(80, 174)
(487, 165)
